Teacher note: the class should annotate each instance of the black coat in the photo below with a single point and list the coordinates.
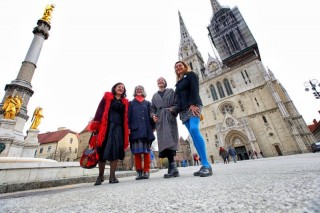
(187, 91)
(140, 123)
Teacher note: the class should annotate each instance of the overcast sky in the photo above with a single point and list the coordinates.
(95, 44)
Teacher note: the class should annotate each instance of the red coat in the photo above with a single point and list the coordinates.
(100, 122)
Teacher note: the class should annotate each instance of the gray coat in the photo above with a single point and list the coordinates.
(167, 128)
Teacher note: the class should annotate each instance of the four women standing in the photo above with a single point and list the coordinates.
(116, 121)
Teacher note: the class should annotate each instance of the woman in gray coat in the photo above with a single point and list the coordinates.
(164, 113)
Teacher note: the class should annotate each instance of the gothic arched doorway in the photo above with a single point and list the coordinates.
(238, 140)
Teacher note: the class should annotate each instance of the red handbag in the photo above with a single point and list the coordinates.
(90, 157)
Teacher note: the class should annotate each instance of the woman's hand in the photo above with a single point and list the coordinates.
(155, 118)
(195, 110)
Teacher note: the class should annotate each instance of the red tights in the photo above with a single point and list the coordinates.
(138, 162)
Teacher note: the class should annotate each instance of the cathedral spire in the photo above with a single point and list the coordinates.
(215, 6)
(188, 50)
(183, 30)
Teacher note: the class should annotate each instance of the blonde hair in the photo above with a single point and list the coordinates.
(144, 94)
(186, 66)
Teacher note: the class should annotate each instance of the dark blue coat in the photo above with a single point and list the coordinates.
(187, 91)
(140, 123)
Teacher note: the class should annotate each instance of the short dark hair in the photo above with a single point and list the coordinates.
(113, 90)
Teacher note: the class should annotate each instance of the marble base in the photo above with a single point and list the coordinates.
(26, 170)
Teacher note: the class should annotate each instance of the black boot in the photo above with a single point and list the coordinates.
(139, 175)
(172, 171)
(146, 175)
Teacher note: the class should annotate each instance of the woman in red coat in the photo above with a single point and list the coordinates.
(111, 123)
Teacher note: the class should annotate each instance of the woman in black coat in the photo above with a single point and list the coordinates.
(189, 107)
(141, 129)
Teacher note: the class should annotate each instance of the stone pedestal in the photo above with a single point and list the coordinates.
(30, 143)
(7, 136)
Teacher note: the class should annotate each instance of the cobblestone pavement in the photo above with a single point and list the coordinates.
(279, 184)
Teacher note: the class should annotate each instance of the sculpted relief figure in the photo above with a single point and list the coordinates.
(36, 118)
(11, 107)
(47, 13)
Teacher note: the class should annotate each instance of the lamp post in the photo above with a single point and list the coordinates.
(314, 84)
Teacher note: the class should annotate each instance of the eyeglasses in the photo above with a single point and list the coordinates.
(139, 89)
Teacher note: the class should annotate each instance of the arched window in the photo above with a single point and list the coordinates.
(213, 92)
(191, 67)
(227, 86)
(220, 90)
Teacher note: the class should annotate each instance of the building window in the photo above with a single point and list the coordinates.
(243, 78)
(41, 150)
(227, 108)
(191, 65)
(234, 41)
(49, 149)
(264, 120)
(70, 149)
(220, 90)
(247, 76)
(75, 150)
(227, 86)
(71, 139)
(213, 92)
(256, 102)
(68, 159)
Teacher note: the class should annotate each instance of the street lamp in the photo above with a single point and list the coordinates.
(313, 83)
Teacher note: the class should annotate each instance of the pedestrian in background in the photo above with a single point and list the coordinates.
(196, 159)
(232, 152)
(141, 129)
(224, 155)
(164, 113)
(189, 105)
(111, 123)
(152, 159)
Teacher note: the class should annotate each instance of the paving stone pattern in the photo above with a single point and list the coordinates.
(279, 184)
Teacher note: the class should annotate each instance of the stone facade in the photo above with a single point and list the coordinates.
(61, 145)
(244, 105)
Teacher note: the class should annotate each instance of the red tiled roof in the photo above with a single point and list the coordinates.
(51, 137)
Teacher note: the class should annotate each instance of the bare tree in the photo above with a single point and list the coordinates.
(62, 154)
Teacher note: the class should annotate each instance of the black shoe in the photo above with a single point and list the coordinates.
(197, 173)
(114, 180)
(205, 171)
(172, 171)
(146, 175)
(99, 181)
(139, 175)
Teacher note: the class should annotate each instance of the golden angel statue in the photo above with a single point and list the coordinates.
(36, 118)
(47, 13)
(11, 107)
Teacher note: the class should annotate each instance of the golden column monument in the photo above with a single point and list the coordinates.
(13, 108)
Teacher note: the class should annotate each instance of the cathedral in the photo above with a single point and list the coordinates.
(244, 105)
